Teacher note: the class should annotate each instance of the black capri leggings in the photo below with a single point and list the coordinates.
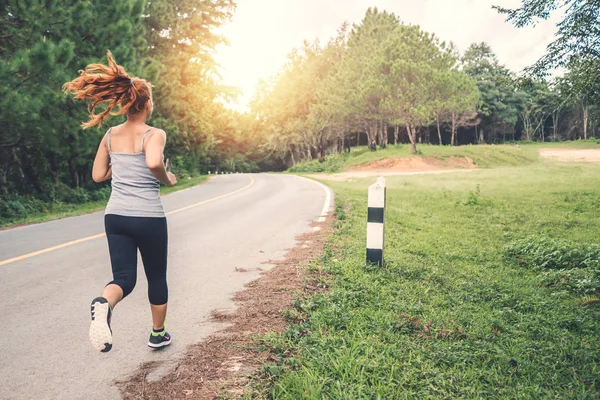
(127, 234)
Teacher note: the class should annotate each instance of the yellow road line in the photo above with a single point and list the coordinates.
(60, 246)
(85, 239)
(213, 199)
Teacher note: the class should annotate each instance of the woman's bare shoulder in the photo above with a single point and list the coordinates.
(153, 131)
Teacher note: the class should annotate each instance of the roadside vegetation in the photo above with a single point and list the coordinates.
(20, 210)
(490, 289)
(483, 156)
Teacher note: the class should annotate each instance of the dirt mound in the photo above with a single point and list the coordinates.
(415, 164)
(572, 155)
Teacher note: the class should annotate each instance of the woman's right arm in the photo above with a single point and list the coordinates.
(155, 147)
(101, 169)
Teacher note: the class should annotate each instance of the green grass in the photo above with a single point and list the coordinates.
(63, 210)
(484, 156)
(463, 307)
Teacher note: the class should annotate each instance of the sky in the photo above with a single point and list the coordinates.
(263, 32)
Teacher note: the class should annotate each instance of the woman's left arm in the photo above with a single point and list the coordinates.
(101, 170)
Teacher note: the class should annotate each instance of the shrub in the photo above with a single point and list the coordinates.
(78, 196)
(100, 194)
(17, 207)
(566, 266)
(554, 254)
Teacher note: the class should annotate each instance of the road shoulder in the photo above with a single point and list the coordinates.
(223, 363)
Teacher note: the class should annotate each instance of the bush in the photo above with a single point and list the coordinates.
(567, 266)
(18, 207)
(554, 254)
(100, 194)
(332, 163)
(11, 209)
(578, 281)
(78, 196)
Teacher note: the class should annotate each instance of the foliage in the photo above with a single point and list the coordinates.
(576, 46)
(574, 267)
(44, 154)
(483, 156)
(380, 75)
(578, 31)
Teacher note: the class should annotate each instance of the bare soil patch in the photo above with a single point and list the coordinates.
(402, 166)
(220, 367)
(571, 155)
(415, 164)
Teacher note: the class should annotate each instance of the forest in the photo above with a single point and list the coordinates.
(377, 82)
(383, 82)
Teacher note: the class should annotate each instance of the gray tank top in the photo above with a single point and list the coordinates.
(135, 191)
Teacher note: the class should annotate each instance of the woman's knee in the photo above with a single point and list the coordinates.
(126, 285)
(158, 292)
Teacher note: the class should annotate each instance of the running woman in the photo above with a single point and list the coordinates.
(132, 155)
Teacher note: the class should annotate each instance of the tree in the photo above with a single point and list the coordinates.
(500, 100)
(42, 45)
(456, 102)
(536, 107)
(576, 47)
(360, 79)
(578, 36)
(181, 39)
(462, 104)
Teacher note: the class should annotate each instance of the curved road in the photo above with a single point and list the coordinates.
(49, 275)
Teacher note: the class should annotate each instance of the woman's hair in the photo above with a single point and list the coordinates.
(100, 83)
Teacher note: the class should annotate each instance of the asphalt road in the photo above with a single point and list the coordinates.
(48, 277)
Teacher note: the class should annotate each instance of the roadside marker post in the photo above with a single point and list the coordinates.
(376, 222)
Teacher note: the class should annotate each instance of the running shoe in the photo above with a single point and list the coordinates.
(100, 331)
(159, 339)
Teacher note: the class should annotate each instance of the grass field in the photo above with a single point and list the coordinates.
(484, 156)
(490, 290)
(63, 210)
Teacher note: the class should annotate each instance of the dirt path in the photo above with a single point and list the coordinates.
(350, 176)
(571, 155)
(402, 166)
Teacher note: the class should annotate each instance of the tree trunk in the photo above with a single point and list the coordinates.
(586, 113)
(452, 140)
(373, 136)
(384, 135)
(17, 161)
(396, 129)
(437, 120)
(411, 137)
(555, 126)
(526, 126)
(74, 174)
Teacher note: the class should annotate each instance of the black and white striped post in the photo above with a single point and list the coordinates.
(376, 222)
